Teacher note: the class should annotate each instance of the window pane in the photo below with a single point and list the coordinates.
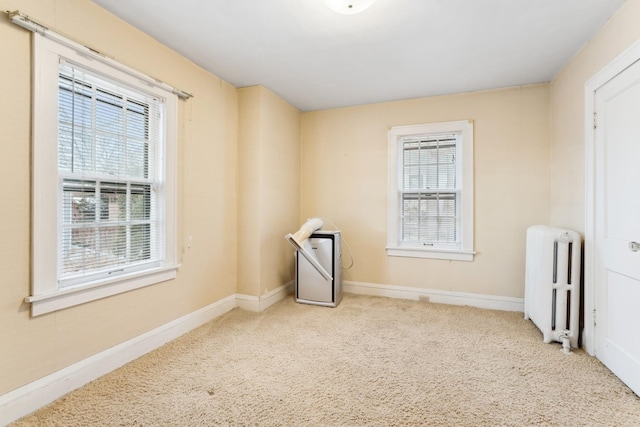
(429, 164)
(81, 106)
(109, 109)
(65, 150)
(137, 155)
(429, 217)
(412, 178)
(140, 202)
(79, 213)
(91, 244)
(447, 167)
(109, 155)
(411, 153)
(113, 201)
(140, 238)
(100, 130)
(113, 246)
(82, 151)
(79, 201)
(137, 120)
(446, 229)
(431, 177)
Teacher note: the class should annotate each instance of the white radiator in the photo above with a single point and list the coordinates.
(552, 283)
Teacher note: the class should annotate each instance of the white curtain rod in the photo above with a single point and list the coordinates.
(25, 22)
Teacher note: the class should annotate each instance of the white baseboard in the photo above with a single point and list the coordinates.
(248, 302)
(27, 399)
(253, 303)
(268, 299)
(443, 297)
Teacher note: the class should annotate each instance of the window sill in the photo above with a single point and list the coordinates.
(453, 255)
(69, 297)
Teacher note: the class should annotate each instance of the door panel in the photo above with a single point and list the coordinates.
(617, 223)
(621, 313)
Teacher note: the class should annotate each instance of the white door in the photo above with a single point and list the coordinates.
(617, 225)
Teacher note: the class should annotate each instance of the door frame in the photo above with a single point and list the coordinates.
(615, 67)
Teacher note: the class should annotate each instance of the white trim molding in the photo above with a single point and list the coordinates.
(615, 67)
(491, 302)
(257, 304)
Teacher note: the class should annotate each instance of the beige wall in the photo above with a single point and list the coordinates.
(568, 112)
(269, 189)
(31, 348)
(344, 178)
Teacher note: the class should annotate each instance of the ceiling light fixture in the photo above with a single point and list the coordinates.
(349, 7)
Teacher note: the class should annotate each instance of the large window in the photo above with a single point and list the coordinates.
(431, 191)
(104, 179)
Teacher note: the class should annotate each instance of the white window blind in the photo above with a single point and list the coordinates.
(109, 141)
(429, 192)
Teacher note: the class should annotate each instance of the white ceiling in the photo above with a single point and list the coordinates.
(317, 59)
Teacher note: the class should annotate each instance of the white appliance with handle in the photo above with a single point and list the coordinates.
(318, 273)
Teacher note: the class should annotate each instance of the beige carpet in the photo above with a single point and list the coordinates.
(369, 362)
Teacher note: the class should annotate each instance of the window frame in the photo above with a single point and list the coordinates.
(46, 294)
(464, 165)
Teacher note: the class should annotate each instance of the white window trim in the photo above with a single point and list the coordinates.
(46, 295)
(394, 246)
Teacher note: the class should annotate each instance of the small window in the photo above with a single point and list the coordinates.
(431, 191)
(104, 179)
